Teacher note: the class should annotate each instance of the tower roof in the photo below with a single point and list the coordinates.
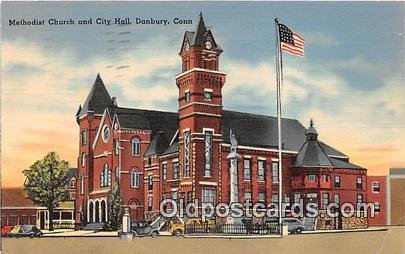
(97, 100)
(200, 33)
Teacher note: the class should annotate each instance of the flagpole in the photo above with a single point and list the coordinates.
(278, 82)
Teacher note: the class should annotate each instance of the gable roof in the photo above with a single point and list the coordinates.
(97, 100)
(164, 123)
(15, 197)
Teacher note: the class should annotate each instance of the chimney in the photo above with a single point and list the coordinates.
(114, 100)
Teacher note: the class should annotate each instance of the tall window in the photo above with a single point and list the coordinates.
(116, 146)
(208, 153)
(337, 198)
(135, 178)
(105, 176)
(208, 195)
(274, 171)
(164, 172)
(274, 198)
(376, 187)
(117, 174)
(136, 147)
(261, 170)
(187, 96)
(189, 197)
(187, 138)
(325, 200)
(325, 178)
(337, 181)
(359, 183)
(150, 182)
(246, 169)
(84, 137)
(82, 185)
(359, 198)
(83, 160)
(175, 170)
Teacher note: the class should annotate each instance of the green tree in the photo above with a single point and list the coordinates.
(45, 182)
(114, 208)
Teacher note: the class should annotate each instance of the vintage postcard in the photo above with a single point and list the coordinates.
(202, 127)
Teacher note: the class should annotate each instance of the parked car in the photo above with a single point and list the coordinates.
(295, 226)
(144, 228)
(5, 230)
(25, 231)
(14, 231)
(177, 229)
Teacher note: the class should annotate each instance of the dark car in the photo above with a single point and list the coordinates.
(144, 228)
(295, 226)
(5, 230)
(29, 231)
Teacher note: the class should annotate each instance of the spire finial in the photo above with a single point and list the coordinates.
(311, 122)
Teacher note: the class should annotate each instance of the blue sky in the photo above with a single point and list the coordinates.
(351, 78)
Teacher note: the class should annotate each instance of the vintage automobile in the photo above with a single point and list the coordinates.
(25, 231)
(295, 226)
(144, 228)
(177, 229)
(5, 230)
(30, 231)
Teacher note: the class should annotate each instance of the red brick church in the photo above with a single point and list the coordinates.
(157, 154)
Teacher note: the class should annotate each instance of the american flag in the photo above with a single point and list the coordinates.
(291, 42)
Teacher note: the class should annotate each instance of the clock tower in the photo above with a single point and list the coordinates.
(200, 111)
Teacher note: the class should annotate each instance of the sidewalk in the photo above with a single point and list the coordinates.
(346, 230)
(79, 233)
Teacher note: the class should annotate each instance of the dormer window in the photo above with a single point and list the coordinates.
(207, 94)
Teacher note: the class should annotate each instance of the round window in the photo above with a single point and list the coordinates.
(106, 133)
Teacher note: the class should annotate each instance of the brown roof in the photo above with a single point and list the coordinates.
(15, 197)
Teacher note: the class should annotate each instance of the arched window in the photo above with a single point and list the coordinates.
(136, 147)
(135, 178)
(105, 177)
(83, 159)
(84, 137)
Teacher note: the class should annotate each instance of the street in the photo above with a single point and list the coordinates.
(390, 242)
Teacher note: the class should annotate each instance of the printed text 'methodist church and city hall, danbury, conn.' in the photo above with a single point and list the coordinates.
(156, 154)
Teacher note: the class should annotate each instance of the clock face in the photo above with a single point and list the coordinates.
(208, 44)
(186, 46)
